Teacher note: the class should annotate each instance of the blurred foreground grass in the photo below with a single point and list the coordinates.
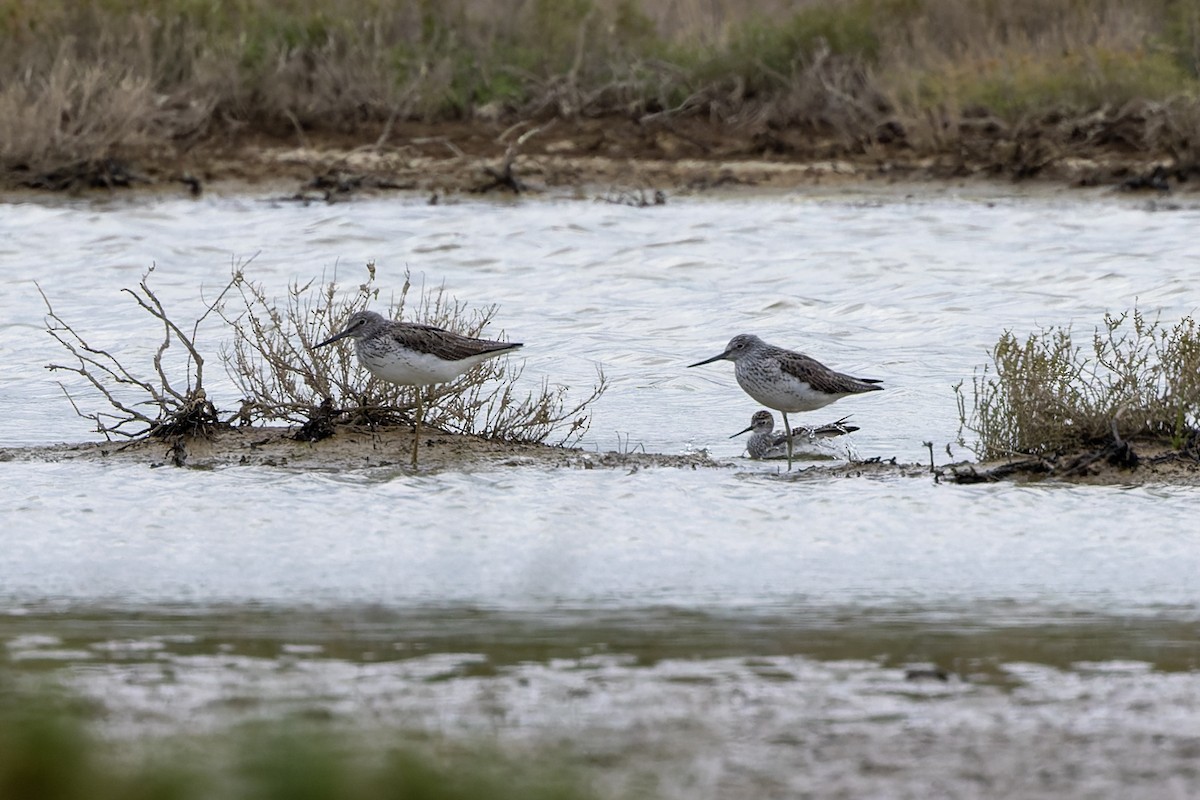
(48, 753)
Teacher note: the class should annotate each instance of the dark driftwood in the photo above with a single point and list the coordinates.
(974, 473)
(1115, 453)
(506, 177)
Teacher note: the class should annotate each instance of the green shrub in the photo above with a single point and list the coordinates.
(1047, 394)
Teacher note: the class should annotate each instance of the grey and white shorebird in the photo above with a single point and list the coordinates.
(411, 354)
(765, 442)
(787, 381)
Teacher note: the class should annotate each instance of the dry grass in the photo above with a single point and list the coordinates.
(81, 82)
(1138, 379)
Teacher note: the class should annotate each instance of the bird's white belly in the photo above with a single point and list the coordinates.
(410, 368)
(785, 393)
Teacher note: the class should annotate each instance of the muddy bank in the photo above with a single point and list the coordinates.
(617, 158)
(348, 450)
(1115, 463)
(1134, 463)
(391, 448)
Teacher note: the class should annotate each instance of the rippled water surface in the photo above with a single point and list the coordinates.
(677, 613)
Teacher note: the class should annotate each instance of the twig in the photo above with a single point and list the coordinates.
(287, 112)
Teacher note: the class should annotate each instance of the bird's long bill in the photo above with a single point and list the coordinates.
(333, 339)
(739, 433)
(709, 361)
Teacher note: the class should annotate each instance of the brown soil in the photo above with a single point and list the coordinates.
(629, 159)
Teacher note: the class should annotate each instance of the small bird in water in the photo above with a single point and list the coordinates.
(411, 354)
(766, 443)
(785, 380)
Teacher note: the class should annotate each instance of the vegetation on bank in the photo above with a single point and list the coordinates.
(282, 377)
(47, 751)
(1046, 394)
(88, 80)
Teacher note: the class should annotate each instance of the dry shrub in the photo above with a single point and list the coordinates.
(175, 410)
(283, 378)
(835, 95)
(75, 112)
(1139, 379)
(1173, 127)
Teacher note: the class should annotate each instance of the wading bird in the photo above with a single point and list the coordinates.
(410, 354)
(785, 380)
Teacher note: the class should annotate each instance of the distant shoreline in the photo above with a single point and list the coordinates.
(485, 96)
(465, 159)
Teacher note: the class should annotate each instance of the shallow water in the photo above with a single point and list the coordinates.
(718, 626)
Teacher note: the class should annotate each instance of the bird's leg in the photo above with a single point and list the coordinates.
(788, 428)
(417, 428)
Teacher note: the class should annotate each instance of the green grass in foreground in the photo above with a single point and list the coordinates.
(47, 753)
(1137, 378)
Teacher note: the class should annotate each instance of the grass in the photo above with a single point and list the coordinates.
(1136, 378)
(85, 81)
(1017, 84)
(47, 752)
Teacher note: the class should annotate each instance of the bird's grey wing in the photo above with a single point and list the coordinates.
(833, 429)
(821, 378)
(446, 344)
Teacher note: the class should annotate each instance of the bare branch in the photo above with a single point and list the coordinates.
(178, 412)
